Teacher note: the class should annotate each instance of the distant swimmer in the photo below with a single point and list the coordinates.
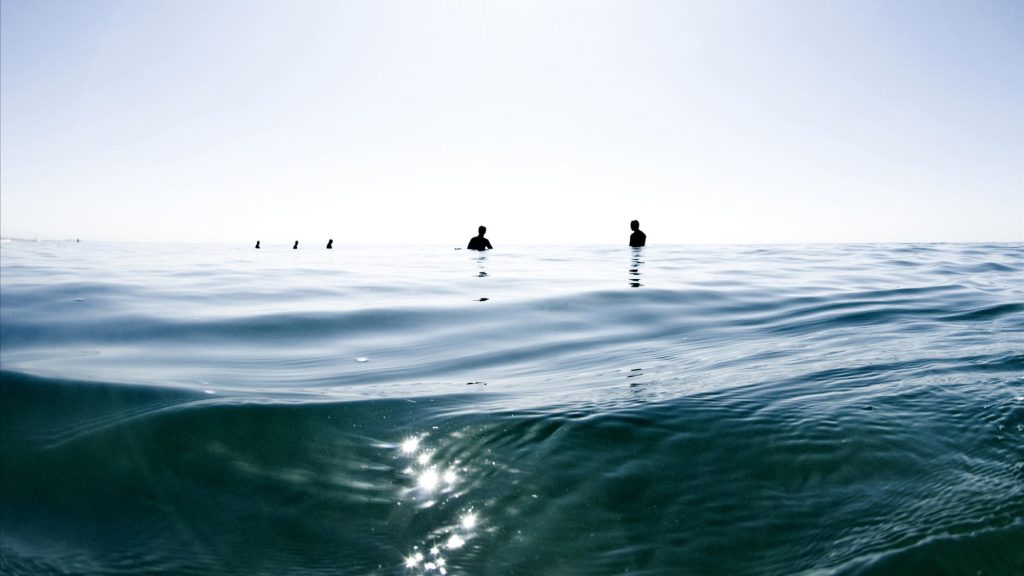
(296, 247)
(330, 244)
(257, 244)
(637, 238)
(479, 242)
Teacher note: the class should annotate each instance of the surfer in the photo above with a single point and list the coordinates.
(479, 242)
(257, 244)
(330, 244)
(296, 246)
(637, 238)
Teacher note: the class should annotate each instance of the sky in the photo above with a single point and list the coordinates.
(394, 121)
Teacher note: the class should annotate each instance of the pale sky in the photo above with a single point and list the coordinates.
(549, 122)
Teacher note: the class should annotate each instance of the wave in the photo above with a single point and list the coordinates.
(151, 480)
(769, 410)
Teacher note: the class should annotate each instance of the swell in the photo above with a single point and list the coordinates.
(813, 483)
(837, 410)
(31, 318)
(486, 340)
(150, 480)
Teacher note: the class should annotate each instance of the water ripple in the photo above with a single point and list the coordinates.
(830, 409)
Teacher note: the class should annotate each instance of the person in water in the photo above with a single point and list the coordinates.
(296, 246)
(330, 244)
(637, 238)
(479, 242)
(257, 244)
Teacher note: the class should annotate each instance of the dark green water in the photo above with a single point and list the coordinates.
(846, 410)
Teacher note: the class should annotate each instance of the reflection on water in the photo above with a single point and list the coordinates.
(633, 373)
(429, 481)
(634, 270)
(481, 262)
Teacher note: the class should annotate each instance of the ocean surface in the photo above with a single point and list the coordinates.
(671, 410)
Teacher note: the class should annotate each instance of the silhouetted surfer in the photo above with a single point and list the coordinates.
(296, 247)
(637, 238)
(479, 242)
(330, 244)
(257, 244)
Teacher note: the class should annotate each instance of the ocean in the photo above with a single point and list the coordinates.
(670, 410)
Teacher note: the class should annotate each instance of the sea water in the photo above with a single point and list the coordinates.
(820, 409)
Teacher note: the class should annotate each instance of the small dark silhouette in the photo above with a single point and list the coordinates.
(296, 246)
(479, 242)
(637, 238)
(257, 244)
(330, 244)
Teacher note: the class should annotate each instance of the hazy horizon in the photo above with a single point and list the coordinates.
(286, 244)
(550, 123)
